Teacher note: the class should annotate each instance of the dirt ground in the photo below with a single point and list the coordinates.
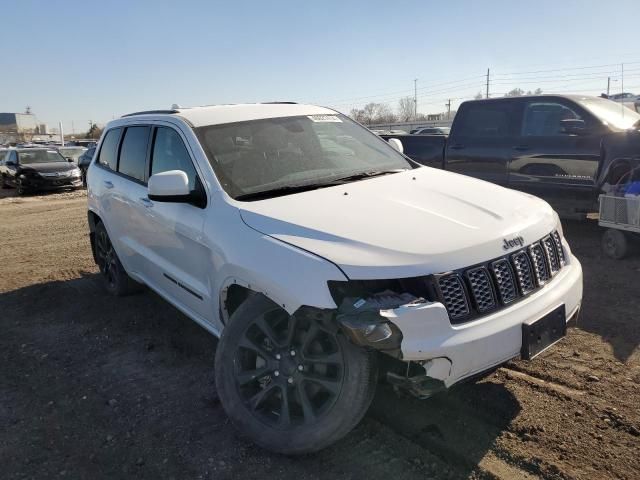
(96, 387)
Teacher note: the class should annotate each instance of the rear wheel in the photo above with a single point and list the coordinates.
(615, 244)
(115, 278)
(293, 384)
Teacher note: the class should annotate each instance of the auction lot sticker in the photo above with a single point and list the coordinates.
(324, 118)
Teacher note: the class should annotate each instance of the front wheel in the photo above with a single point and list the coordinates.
(292, 383)
(20, 190)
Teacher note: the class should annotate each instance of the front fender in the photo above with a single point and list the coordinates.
(289, 276)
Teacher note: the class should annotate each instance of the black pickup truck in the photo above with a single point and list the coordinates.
(565, 149)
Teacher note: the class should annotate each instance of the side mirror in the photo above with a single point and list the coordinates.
(573, 127)
(396, 144)
(170, 186)
(69, 159)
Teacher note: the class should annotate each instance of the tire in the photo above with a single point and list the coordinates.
(265, 394)
(3, 182)
(20, 190)
(115, 278)
(615, 244)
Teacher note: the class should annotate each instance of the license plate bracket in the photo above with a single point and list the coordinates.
(544, 332)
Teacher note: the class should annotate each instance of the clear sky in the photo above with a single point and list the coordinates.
(82, 60)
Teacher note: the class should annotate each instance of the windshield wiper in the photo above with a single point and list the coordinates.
(289, 189)
(284, 190)
(369, 174)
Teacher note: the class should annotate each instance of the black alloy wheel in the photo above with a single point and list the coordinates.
(293, 383)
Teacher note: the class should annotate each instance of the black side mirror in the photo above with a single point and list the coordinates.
(69, 159)
(574, 126)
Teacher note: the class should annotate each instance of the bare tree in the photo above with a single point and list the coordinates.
(373, 113)
(518, 92)
(406, 109)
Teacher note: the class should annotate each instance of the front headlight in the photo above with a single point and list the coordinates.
(75, 172)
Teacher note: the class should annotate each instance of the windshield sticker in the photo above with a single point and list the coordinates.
(324, 118)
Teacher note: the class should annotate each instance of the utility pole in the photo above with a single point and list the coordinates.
(608, 85)
(415, 98)
(448, 104)
(487, 83)
(622, 87)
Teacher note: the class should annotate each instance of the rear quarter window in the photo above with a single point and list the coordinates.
(108, 155)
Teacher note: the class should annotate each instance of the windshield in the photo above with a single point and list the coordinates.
(72, 152)
(613, 114)
(263, 155)
(27, 157)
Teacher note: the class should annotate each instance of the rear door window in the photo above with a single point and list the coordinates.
(487, 120)
(109, 151)
(170, 153)
(133, 153)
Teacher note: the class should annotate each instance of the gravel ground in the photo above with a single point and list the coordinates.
(96, 387)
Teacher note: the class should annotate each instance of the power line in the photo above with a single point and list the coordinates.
(568, 68)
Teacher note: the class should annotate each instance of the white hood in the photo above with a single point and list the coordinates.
(402, 225)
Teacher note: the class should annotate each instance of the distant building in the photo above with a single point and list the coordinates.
(17, 127)
(43, 129)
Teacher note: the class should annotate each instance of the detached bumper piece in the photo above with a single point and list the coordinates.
(360, 319)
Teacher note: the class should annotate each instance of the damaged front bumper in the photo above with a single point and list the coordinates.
(420, 332)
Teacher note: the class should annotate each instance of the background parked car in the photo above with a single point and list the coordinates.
(83, 163)
(31, 169)
(430, 131)
(71, 153)
(628, 99)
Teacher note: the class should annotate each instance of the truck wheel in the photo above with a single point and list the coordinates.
(615, 244)
(116, 280)
(291, 383)
(4, 182)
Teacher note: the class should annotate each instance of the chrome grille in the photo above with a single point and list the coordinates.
(505, 282)
(453, 295)
(559, 250)
(551, 254)
(539, 263)
(522, 266)
(471, 292)
(481, 289)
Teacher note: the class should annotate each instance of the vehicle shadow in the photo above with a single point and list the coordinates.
(102, 388)
(460, 425)
(610, 301)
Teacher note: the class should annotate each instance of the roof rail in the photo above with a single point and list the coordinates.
(279, 103)
(151, 112)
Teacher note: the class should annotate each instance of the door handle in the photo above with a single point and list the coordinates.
(522, 148)
(456, 146)
(146, 202)
(108, 184)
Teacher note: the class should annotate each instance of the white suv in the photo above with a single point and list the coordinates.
(324, 259)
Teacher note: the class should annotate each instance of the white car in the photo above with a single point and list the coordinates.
(319, 267)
